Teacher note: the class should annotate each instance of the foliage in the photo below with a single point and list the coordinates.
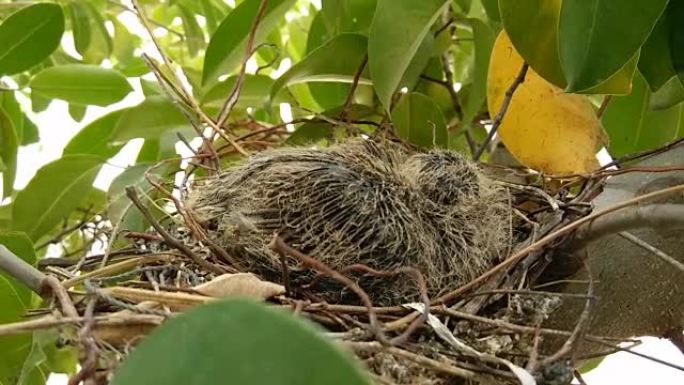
(419, 70)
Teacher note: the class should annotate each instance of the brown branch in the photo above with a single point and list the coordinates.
(653, 250)
(604, 105)
(235, 92)
(344, 115)
(50, 322)
(89, 362)
(555, 235)
(278, 245)
(508, 96)
(168, 238)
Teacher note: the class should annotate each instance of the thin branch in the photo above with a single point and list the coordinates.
(654, 250)
(508, 96)
(344, 115)
(235, 93)
(22, 271)
(604, 105)
(170, 240)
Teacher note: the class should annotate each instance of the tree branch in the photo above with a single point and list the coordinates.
(22, 271)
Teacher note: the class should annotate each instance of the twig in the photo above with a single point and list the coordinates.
(344, 115)
(235, 92)
(654, 250)
(508, 96)
(170, 240)
(278, 245)
(557, 234)
(442, 367)
(50, 322)
(604, 105)
(577, 334)
(89, 362)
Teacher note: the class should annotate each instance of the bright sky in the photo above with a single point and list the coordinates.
(57, 128)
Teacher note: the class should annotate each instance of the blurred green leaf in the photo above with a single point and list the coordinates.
(15, 298)
(492, 9)
(597, 38)
(83, 84)
(11, 122)
(95, 137)
(54, 192)
(254, 92)
(670, 94)
(324, 64)
(80, 26)
(267, 346)
(29, 35)
(100, 45)
(675, 13)
(655, 62)
(120, 210)
(149, 120)
(77, 111)
(633, 127)
(539, 49)
(30, 132)
(391, 49)
(194, 37)
(418, 119)
(39, 103)
(226, 48)
(312, 132)
(484, 41)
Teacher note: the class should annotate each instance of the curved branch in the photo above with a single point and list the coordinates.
(657, 216)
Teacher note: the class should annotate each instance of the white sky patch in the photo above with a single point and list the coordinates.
(316, 4)
(457, 86)
(67, 44)
(404, 90)
(252, 65)
(177, 21)
(286, 116)
(285, 65)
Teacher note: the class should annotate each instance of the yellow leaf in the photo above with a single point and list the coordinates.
(544, 128)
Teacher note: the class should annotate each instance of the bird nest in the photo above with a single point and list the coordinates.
(422, 263)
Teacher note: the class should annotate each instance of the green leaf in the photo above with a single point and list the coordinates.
(150, 87)
(418, 119)
(95, 137)
(83, 84)
(30, 132)
(266, 346)
(492, 9)
(324, 64)
(39, 103)
(100, 46)
(619, 83)
(226, 48)
(539, 49)
(194, 37)
(655, 62)
(675, 12)
(80, 26)
(11, 123)
(312, 132)
(254, 92)
(670, 94)
(30, 35)
(391, 48)
(633, 127)
(597, 37)
(53, 193)
(484, 41)
(15, 298)
(149, 120)
(120, 210)
(77, 111)
(340, 16)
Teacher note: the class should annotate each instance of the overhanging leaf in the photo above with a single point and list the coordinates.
(10, 137)
(597, 37)
(149, 120)
(53, 193)
(227, 45)
(324, 64)
(14, 300)
(391, 48)
(655, 62)
(670, 94)
(81, 84)
(94, 138)
(633, 127)
(30, 35)
(539, 49)
(246, 341)
(418, 119)
(484, 40)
